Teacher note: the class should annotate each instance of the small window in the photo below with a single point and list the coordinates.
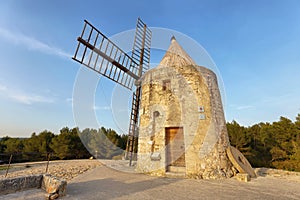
(155, 114)
(166, 85)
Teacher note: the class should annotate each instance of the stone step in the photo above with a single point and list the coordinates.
(176, 169)
(175, 175)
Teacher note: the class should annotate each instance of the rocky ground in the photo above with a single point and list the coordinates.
(66, 169)
(277, 173)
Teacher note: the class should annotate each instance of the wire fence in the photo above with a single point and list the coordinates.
(7, 159)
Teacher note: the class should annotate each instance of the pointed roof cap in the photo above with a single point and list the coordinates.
(176, 56)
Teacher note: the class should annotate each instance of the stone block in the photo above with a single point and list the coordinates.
(52, 185)
(243, 177)
(155, 156)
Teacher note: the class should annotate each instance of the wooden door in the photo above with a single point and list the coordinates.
(175, 149)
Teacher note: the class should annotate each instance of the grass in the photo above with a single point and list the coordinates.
(3, 167)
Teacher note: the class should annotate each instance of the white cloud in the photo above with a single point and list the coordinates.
(31, 43)
(30, 99)
(102, 108)
(242, 107)
(245, 107)
(3, 87)
(22, 97)
(69, 100)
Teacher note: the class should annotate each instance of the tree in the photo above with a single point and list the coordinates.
(61, 144)
(275, 145)
(238, 136)
(123, 141)
(297, 122)
(67, 145)
(104, 142)
(39, 143)
(38, 146)
(2, 143)
(284, 132)
(76, 146)
(13, 145)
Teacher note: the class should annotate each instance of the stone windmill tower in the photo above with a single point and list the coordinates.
(182, 124)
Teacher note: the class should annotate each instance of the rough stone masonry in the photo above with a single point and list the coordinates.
(53, 186)
(182, 123)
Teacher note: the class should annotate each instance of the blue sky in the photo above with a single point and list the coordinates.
(255, 45)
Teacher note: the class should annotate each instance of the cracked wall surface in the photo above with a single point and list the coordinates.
(178, 93)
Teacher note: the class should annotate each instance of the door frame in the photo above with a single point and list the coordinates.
(167, 165)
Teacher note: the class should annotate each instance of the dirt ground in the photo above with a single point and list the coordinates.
(104, 182)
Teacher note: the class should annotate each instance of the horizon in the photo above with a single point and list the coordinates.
(254, 47)
(81, 129)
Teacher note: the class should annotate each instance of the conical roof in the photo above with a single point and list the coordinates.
(176, 56)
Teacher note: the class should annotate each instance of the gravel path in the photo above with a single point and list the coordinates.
(103, 182)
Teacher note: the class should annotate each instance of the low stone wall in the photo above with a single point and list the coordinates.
(54, 186)
(11, 185)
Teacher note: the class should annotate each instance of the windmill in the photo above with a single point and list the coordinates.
(182, 127)
(97, 52)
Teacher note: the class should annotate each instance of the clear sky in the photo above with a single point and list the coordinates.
(255, 44)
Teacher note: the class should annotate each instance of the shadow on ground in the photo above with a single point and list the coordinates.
(109, 188)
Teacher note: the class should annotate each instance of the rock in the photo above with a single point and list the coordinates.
(51, 196)
(52, 184)
(244, 177)
(47, 196)
(54, 196)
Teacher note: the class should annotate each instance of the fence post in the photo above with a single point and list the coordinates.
(10, 158)
(48, 157)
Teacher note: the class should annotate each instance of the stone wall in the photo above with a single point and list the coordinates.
(54, 187)
(11, 185)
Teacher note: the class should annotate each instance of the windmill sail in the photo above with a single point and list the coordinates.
(97, 52)
(141, 45)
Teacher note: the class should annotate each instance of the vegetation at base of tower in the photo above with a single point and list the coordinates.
(275, 145)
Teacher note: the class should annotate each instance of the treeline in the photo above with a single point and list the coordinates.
(68, 144)
(275, 145)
